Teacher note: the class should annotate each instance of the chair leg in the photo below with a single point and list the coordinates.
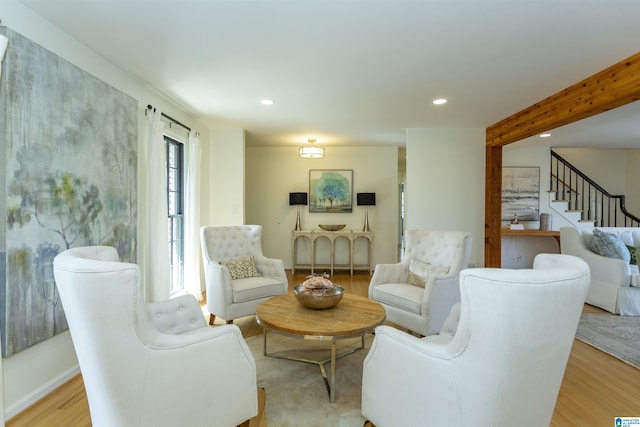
(212, 318)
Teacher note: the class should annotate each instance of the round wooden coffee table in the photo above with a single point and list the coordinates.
(355, 316)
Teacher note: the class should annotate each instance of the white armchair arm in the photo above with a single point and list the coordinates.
(206, 356)
(389, 273)
(607, 269)
(177, 315)
(271, 267)
(442, 294)
(416, 363)
(216, 273)
(450, 324)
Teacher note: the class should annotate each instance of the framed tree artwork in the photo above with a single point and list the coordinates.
(331, 191)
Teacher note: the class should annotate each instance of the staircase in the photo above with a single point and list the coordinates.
(561, 207)
(582, 202)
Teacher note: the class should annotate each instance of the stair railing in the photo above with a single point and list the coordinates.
(586, 196)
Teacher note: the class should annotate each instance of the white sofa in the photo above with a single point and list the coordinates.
(614, 282)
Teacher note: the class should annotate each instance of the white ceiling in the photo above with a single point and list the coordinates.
(354, 72)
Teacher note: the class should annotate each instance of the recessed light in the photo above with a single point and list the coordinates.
(439, 101)
(266, 101)
(545, 135)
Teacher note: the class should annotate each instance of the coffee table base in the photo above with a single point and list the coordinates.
(329, 380)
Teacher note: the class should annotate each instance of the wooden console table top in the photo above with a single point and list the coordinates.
(530, 232)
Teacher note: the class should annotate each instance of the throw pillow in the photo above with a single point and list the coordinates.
(241, 268)
(633, 252)
(419, 272)
(609, 245)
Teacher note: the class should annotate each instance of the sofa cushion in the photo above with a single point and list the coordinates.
(419, 272)
(609, 245)
(241, 268)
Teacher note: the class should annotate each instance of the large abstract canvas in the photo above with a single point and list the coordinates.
(521, 193)
(68, 146)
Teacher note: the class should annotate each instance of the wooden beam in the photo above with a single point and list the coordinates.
(493, 207)
(610, 88)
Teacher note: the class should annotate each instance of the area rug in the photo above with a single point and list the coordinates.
(618, 336)
(296, 392)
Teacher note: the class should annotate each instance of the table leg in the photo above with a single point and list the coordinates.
(332, 393)
(328, 377)
(264, 343)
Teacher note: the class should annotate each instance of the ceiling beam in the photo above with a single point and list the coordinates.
(613, 87)
(610, 88)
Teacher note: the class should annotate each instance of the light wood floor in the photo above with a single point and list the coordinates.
(596, 387)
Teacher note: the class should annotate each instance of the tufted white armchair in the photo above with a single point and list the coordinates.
(422, 307)
(501, 365)
(231, 298)
(150, 364)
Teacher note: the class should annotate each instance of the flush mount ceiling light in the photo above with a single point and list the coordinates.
(439, 101)
(311, 151)
(266, 101)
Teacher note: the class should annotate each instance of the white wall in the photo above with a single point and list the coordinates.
(274, 172)
(616, 170)
(632, 180)
(445, 183)
(223, 180)
(606, 166)
(31, 374)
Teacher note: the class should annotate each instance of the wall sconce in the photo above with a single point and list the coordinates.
(366, 199)
(297, 199)
(311, 151)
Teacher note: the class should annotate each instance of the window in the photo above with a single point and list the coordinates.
(175, 211)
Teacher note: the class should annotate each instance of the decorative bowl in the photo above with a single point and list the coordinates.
(332, 227)
(319, 299)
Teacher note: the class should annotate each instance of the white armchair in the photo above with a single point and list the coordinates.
(418, 292)
(501, 365)
(233, 296)
(150, 364)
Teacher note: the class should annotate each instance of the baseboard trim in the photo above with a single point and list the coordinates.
(40, 392)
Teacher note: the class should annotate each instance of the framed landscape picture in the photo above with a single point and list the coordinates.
(331, 190)
(521, 193)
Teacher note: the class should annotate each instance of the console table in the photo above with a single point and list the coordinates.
(532, 232)
(332, 236)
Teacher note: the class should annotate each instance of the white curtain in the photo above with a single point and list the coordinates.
(3, 48)
(192, 219)
(157, 236)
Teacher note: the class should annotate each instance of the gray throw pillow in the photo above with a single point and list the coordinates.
(609, 245)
